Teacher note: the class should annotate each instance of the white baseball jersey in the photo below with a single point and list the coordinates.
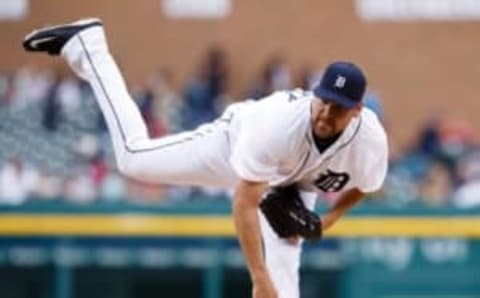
(272, 141)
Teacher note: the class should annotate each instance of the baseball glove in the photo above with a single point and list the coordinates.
(287, 215)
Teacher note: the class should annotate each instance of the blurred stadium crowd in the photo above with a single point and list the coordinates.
(54, 144)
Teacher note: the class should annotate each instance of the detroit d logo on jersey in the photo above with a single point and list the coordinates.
(331, 181)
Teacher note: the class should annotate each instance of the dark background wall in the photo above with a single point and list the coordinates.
(417, 67)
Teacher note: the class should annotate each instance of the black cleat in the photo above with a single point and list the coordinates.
(52, 39)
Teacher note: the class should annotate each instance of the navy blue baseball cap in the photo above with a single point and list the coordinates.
(343, 83)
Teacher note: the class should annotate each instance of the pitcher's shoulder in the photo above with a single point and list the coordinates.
(372, 131)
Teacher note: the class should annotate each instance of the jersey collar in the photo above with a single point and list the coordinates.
(345, 138)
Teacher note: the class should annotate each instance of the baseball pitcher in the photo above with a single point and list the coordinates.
(276, 153)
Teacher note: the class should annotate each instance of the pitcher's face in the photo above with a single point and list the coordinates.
(330, 118)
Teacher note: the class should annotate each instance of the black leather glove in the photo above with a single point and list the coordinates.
(287, 215)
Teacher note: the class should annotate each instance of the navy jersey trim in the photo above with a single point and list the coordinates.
(357, 129)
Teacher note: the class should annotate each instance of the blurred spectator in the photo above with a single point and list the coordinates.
(145, 193)
(97, 170)
(429, 136)
(217, 72)
(308, 78)
(435, 189)
(144, 98)
(49, 186)
(51, 112)
(446, 138)
(468, 194)
(373, 101)
(16, 182)
(275, 75)
(204, 90)
(457, 138)
(113, 188)
(400, 188)
(87, 146)
(68, 96)
(199, 106)
(167, 105)
(30, 86)
(6, 88)
(80, 187)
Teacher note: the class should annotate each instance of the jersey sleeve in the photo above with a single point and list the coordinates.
(267, 135)
(254, 158)
(373, 160)
(375, 172)
(375, 175)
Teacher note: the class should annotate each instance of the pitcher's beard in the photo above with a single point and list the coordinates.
(324, 130)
